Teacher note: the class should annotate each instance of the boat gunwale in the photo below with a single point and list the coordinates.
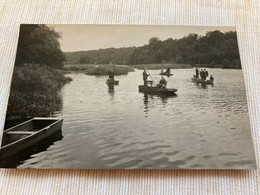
(154, 87)
(201, 81)
(57, 120)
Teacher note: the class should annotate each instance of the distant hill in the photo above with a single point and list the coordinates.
(215, 49)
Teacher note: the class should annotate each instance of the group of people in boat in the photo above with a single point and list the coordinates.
(162, 83)
(203, 74)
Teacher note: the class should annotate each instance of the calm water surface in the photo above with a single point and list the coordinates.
(201, 127)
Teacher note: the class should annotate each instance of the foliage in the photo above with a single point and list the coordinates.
(209, 50)
(160, 66)
(101, 69)
(101, 56)
(39, 44)
(35, 92)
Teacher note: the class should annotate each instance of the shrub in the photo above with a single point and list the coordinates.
(35, 92)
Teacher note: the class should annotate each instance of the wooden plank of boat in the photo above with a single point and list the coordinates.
(114, 82)
(166, 74)
(157, 90)
(27, 134)
(201, 81)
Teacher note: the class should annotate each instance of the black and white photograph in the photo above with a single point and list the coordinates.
(127, 97)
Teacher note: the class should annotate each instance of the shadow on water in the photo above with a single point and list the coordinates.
(150, 97)
(111, 90)
(203, 86)
(14, 161)
(111, 87)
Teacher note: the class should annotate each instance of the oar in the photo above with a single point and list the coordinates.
(150, 75)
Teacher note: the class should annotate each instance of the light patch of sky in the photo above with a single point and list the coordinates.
(92, 37)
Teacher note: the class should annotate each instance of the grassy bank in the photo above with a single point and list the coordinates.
(92, 69)
(34, 92)
(160, 66)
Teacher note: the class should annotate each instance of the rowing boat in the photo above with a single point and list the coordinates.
(209, 82)
(157, 90)
(112, 82)
(166, 74)
(27, 134)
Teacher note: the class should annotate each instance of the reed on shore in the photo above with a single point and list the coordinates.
(99, 70)
(161, 66)
(35, 91)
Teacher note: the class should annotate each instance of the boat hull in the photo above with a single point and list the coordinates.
(109, 82)
(157, 90)
(166, 74)
(207, 82)
(26, 136)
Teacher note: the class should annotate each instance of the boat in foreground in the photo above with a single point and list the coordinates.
(207, 82)
(157, 90)
(112, 82)
(27, 134)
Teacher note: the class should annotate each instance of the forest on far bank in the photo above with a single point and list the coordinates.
(215, 49)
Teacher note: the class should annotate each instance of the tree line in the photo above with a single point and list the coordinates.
(39, 44)
(215, 49)
(37, 78)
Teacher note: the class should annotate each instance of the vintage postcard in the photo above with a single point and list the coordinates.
(127, 97)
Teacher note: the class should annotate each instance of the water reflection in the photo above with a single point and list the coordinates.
(146, 107)
(185, 132)
(203, 86)
(111, 88)
(149, 97)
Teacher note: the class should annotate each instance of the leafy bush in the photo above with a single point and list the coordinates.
(35, 92)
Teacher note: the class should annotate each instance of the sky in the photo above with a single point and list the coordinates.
(91, 37)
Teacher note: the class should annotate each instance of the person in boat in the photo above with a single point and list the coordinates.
(162, 71)
(201, 74)
(197, 72)
(162, 83)
(111, 75)
(206, 73)
(145, 76)
(168, 71)
(211, 78)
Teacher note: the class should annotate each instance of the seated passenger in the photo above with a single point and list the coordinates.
(211, 78)
(162, 83)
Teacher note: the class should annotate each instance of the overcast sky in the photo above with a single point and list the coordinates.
(91, 37)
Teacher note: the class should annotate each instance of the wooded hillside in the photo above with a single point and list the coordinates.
(215, 49)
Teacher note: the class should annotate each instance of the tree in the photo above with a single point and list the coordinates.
(39, 44)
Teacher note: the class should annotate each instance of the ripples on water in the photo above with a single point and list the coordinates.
(201, 127)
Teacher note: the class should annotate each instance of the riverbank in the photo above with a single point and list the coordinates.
(35, 91)
(160, 66)
(99, 70)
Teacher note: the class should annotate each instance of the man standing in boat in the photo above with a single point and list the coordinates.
(145, 76)
(111, 74)
(206, 73)
(197, 72)
(168, 71)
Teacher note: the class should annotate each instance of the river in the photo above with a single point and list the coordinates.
(203, 127)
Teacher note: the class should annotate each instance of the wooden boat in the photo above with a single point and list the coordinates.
(157, 90)
(207, 82)
(27, 134)
(166, 74)
(112, 82)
